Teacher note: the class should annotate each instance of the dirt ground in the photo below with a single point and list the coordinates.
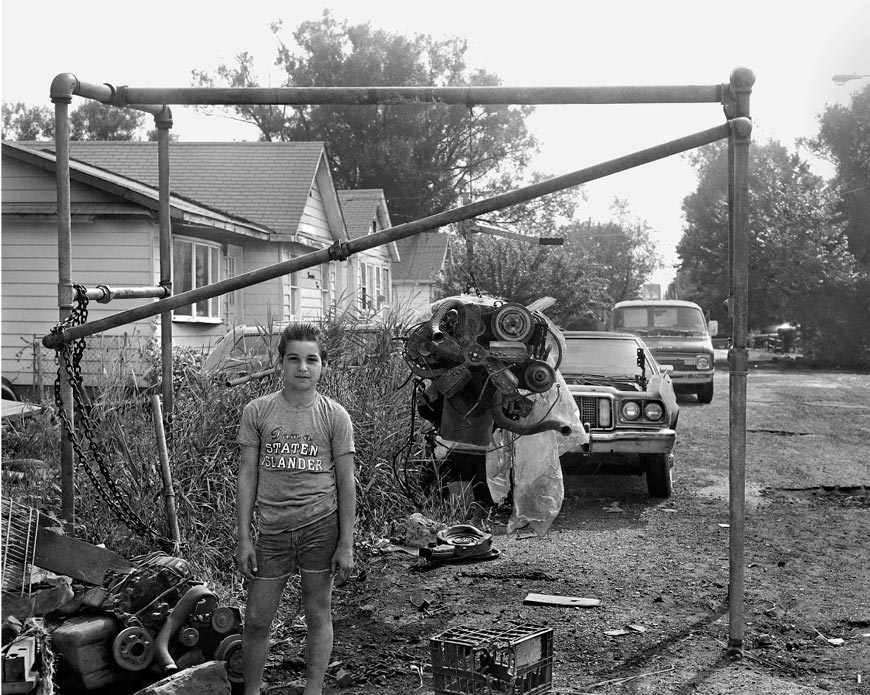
(661, 566)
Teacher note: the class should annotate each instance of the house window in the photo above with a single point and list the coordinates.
(364, 286)
(386, 291)
(327, 286)
(231, 273)
(378, 288)
(295, 295)
(196, 264)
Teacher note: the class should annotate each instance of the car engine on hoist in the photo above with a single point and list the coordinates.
(480, 354)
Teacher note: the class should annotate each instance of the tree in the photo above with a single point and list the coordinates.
(89, 121)
(424, 156)
(622, 250)
(844, 138)
(598, 265)
(95, 121)
(798, 252)
(22, 122)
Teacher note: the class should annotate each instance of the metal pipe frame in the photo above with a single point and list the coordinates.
(103, 294)
(738, 358)
(371, 96)
(734, 96)
(345, 249)
(64, 301)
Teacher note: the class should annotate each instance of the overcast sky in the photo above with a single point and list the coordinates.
(793, 48)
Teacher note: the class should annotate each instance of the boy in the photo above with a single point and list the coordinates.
(297, 464)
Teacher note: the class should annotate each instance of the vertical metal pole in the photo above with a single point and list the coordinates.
(166, 474)
(64, 298)
(738, 181)
(163, 121)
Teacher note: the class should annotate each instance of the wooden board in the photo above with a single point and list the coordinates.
(75, 558)
(551, 600)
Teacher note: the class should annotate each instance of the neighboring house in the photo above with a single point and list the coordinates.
(235, 207)
(365, 212)
(415, 279)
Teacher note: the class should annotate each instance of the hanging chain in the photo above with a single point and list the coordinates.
(72, 356)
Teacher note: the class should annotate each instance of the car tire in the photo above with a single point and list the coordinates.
(705, 393)
(659, 475)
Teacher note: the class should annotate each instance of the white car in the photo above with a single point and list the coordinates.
(627, 404)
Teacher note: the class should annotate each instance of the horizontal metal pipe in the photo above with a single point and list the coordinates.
(402, 231)
(65, 85)
(104, 294)
(299, 96)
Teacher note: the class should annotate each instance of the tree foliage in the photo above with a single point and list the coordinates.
(795, 246)
(23, 122)
(89, 121)
(598, 265)
(424, 156)
(844, 137)
(800, 266)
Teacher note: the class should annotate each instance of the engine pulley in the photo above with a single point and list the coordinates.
(512, 321)
(133, 648)
(539, 376)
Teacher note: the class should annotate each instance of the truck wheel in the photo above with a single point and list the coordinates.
(705, 393)
(659, 477)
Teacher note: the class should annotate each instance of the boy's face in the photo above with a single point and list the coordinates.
(301, 365)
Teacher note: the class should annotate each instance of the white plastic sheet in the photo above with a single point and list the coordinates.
(538, 490)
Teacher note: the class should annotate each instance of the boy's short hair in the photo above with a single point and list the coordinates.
(307, 332)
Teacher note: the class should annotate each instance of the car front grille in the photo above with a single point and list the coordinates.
(589, 413)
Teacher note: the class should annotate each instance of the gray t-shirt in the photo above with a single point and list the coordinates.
(298, 448)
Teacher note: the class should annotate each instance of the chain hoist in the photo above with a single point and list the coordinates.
(72, 355)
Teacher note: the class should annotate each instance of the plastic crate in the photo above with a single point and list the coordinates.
(517, 660)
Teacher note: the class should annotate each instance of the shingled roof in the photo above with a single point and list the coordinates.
(362, 206)
(422, 256)
(267, 183)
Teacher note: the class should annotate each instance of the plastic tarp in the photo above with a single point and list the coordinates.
(538, 488)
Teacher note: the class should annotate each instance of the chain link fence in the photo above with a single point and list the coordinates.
(130, 360)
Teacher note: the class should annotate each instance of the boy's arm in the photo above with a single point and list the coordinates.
(246, 495)
(342, 562)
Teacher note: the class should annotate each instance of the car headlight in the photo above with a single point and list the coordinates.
(630, 410)
(702, 362)
(653, 411)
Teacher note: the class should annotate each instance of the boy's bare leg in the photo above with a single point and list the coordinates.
(317, 603)
(264, 595)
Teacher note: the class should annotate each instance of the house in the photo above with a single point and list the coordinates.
(235, 207)
(365, 212)
(416, 278)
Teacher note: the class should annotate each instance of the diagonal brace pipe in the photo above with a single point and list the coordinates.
(342, 250)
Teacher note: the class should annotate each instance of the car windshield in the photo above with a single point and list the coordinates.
(655, 320)
(601, 357)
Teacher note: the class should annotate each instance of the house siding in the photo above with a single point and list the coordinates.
(110, 252)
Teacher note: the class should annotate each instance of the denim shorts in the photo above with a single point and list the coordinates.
(307, 549)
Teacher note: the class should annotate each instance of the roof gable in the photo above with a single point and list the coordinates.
(363, 206)
(423, 256)
(267, 183)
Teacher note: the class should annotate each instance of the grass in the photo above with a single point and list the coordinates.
(369, 378)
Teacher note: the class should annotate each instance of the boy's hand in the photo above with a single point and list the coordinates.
(246, 559)
(342, 564)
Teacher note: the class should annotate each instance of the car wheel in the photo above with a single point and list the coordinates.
(705, 393)
(659, 477)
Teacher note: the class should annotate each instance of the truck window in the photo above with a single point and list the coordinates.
(669, 318)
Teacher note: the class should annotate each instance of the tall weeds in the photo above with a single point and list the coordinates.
(365, 373)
